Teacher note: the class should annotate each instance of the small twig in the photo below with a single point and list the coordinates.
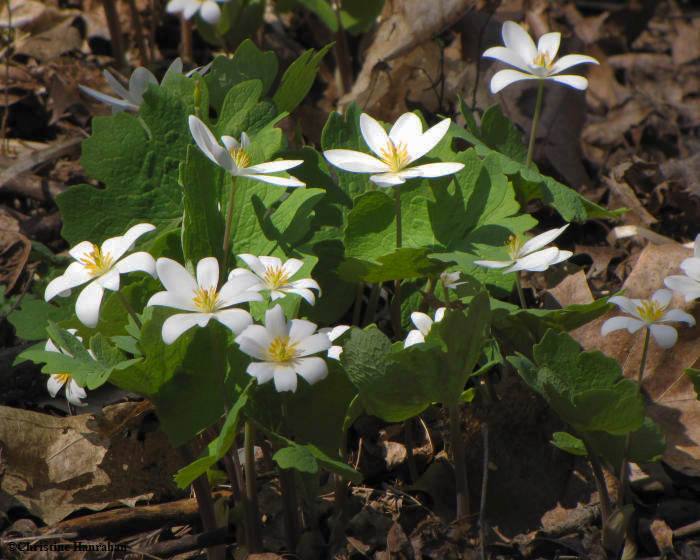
(138, 32)
(115, 33)
(484, 488)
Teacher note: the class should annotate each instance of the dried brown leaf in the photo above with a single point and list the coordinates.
(14, 253)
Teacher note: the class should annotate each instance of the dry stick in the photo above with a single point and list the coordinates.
(115, 33)
(168, 549)
(484, 488)
(342, 55)
(624, 467)
(138, 31)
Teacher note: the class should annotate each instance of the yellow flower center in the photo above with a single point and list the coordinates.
(513, 246)
(207, 299)
(395, 156)
(650, 311)
(275, 276)
(62, 378)
(542, 59)
(96, 262)
(282, 349)
(240, 157)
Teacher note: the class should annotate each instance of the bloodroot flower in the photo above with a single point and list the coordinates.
(284, 349)
(531, 255)
(648, 313)
(534, 62)
(405, 143)
(201, 298)
(100, 267)
(74, 392)
(423, 323)
(209, 10)
(688, 285)
(232, 156)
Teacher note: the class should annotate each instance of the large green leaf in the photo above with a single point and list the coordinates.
(298, 79)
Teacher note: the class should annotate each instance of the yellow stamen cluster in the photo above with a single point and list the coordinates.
(96, 262)
(282, 349)
(207, 299)
(240, 157)
(513, 246)
(275, 276)
(650, 311)
(542, 59)
(395, 156)
(62, 378)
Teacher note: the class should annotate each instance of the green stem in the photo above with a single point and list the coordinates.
(129, 309)
(538, 107)
(519, 287)
(600, 483)
(229, 219)
(289, 493)
(253, 536)
(396, 302)
(460, 462)
(624, 474)
(410, 444)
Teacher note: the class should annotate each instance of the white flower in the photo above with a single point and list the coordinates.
(200, 297)
(74, 392)
(405, 143)
(132, 98)
(210, 12)
(423, 323)
(530, 255)
(271, 274)
(333, 333)
(648, 313)
(534, 62)
(451, 279)
(101, 267)
(234, 158)
(284, 350)
(688, 285)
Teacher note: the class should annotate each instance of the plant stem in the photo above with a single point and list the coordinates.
(519, 287)
(396, 301)
(484, 488)
(186, 39)
(459, 461)
(129, 309)
(357, 308)
(342, 55)
(600, 483)
(291, 513)
(229, 219)
(138, 32)
(538, 107)
(115, 33)
(253, 536)
(624, 468)
(410, 444)
(371, 305)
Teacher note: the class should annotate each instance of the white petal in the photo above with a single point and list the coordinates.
(414, 337)
(313, 344)
(570, 60)
(270, 263)
(662, 297)
(74, 393)
(576, 82)
(208, 273)
(299, 329)
(118, 88)
(262, 371)
(616, 323)
(138, 84)
(422, 322)
(255, 264)
(175, 277)
(306, 283)
(207, 142)
(687, 286)
(273, 179)
(630, 306)
(210, 13)
(175, 300)
(336, 331)
(87, 306)
(374, 134)
(428, 140)
(540, 241)
(81, 250)
(308, 295)
(254, 341)
(691, 267)
(292, 266)
(518, 40)
(504, 78)
(245, 139)
(176, 6)
(275, 166)
(438, 169)
(562, 256)
(137, 261)
(54, 384)
(312, 369)
(508, 56)
(678, 315)
(230, 143)
(191, 8)
(239, 289)
(60, 286)
(665, 335)
(535, 262)
(134, 232)
(285, 379)
(175, 325)
(389, 179)
(275, 322)
(109, 280)
(104, 98)
(334, 352)
(494, 264)
(235, 319)
(440, 313)
(355, 162)
(407, 129)
(549, 43)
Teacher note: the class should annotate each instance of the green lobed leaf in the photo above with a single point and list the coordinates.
(359, 16)
(571, 444)
(296, 457)
(647, 444)
(298, 79)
